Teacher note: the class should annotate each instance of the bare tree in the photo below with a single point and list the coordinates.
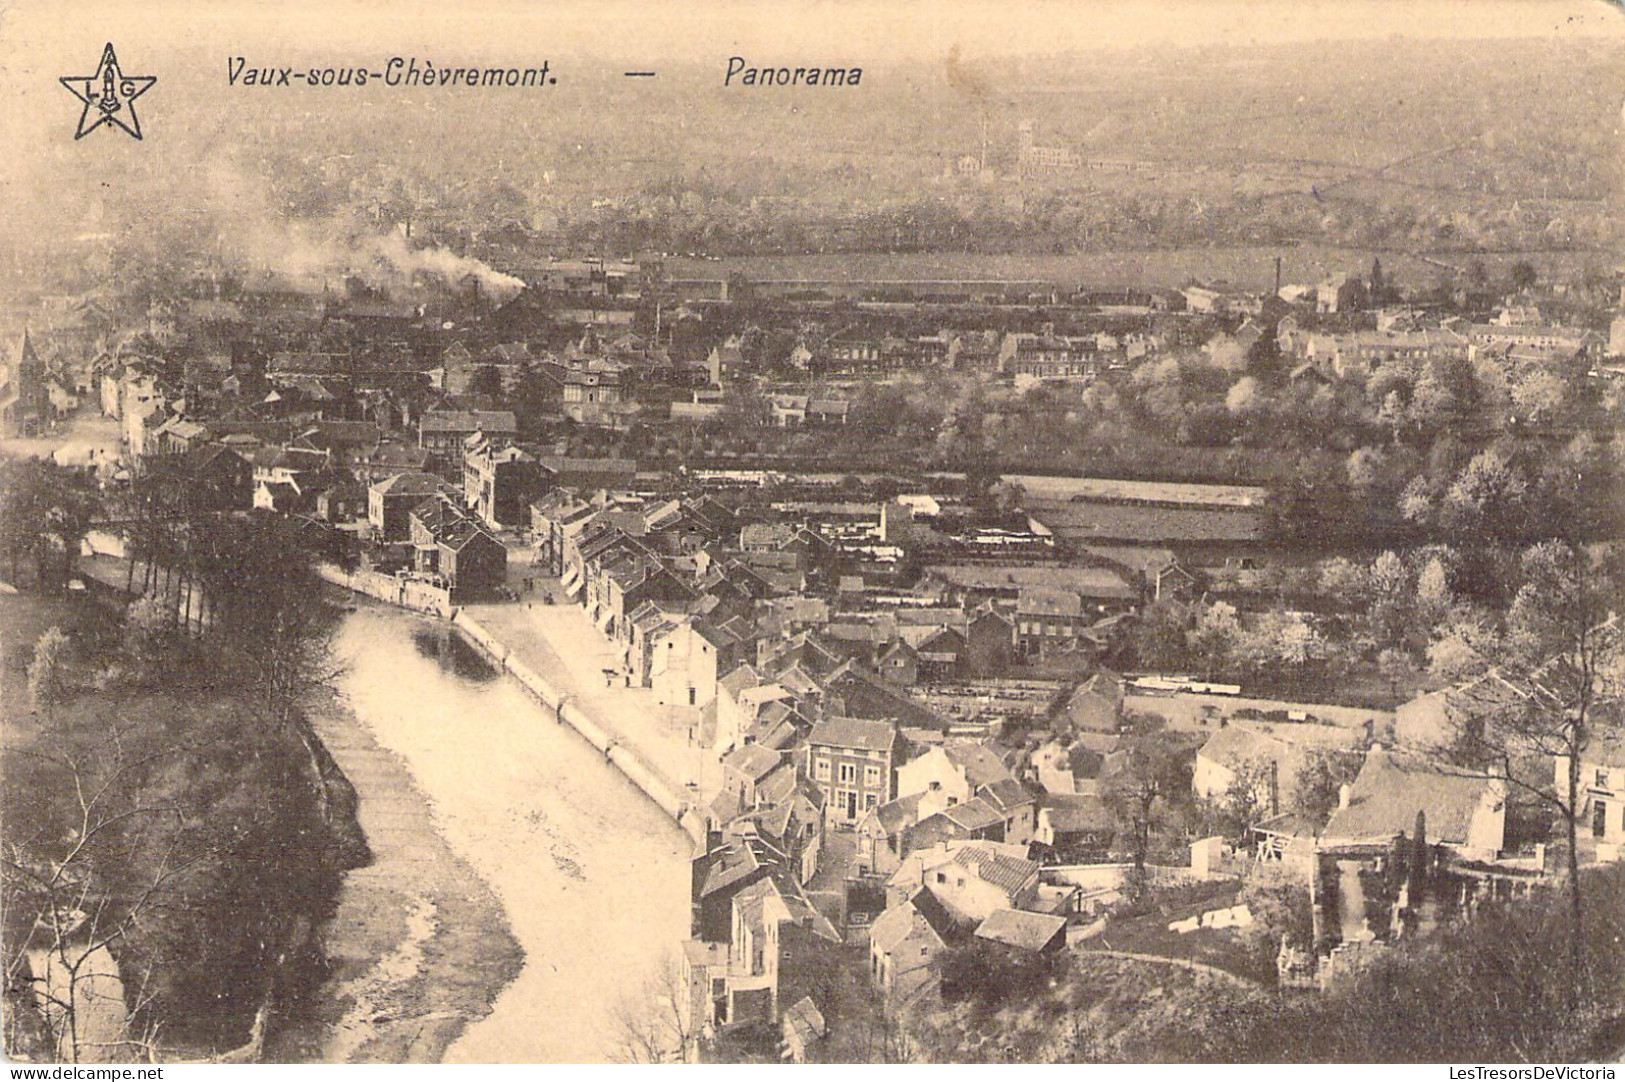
(64, 916)
(1562, 653)
(653, 1023)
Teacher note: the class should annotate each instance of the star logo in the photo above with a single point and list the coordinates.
(109, 96)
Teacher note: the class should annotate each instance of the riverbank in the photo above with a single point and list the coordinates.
(419, 947)
(557, 655)
(592, 876)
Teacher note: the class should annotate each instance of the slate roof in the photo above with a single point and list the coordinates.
(753, 761)
(895, 816)
(901, 923)
(1392, 787)
(1019, 928)
(853, 733)
(410, 484)
(1007, 793)
(1099, 582)
(1044, 601)
(1002, 865)
(980, 765)
(487, 421)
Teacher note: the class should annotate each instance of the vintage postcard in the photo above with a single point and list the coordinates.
(816, 531)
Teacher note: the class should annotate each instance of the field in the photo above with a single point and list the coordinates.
(1250, 268)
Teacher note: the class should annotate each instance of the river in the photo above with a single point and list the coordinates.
(593, 877)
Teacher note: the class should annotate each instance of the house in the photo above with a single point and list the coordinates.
(990, 643)
(882, 835)
(800, 1029)
(500, 481)
(904, 944)
(1437, 718)
(970, 878)
(942, 655)
(853, 763)
(1049, 356)
(1037, 933)
(390, 503)
(1048, 620)
(449, 543)
(743, 769)
(719, 872)
(950, 774)
(1267, 757)
(1602, 785)
(442, 432)
(1076, 828)
(342, 503)
(220, 479)
(725, 361)
(899, 663)
(1097, 704)
(775, 930)
(24, 398)
(1464, 813)
(687, 660)
(793, 824)
(1101, 589)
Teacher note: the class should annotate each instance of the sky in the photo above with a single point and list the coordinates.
(44, 33)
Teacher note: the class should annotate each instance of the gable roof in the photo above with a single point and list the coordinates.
(1003, 865)
(901, 923)
(854, 733)
(753, 760)
(980, 764)
(1019, 928)
(1392, 787)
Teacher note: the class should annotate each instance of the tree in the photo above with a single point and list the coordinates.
(1245, 801)
(48, 681)
(1148, 773)
(1216, 636)
(1418, 871)
(273, 617)
(1562, 648)
(653, 1023)
(1319, 783)
(45, 510)
(1524, 276)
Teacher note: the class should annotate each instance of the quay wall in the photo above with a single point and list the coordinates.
(666, 796)
(407, 593)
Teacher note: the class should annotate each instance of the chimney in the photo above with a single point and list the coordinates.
(1343, 793)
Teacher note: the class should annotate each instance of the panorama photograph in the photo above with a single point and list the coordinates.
(818, 531)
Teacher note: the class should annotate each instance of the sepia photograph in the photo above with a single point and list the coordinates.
(812, 532)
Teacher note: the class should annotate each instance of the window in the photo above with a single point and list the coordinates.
(871, 775)
(1602, 779)
(934, 786)
(942, 877)
(691, 694)
(848, 772)
(868, 801)
(821, 769)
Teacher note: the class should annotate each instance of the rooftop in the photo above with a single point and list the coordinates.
(854, 733)
(1019, 928)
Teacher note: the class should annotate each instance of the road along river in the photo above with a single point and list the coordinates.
(592, 876)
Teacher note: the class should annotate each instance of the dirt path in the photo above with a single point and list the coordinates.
(1184, 963)
(419, 946)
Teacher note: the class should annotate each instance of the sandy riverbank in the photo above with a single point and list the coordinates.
(419, 947)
